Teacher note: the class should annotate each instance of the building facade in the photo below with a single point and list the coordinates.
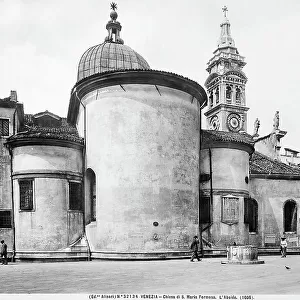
(130, 174)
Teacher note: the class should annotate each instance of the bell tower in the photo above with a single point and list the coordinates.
(226, 110)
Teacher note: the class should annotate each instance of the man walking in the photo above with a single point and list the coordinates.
(194, 247)
(3, 253)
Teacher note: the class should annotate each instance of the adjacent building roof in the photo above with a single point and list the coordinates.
(58, 129)
(224, 136)
(262, 164)
(12, 102)
(291, 150)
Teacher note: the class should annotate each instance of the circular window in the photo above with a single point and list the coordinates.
(155, 224)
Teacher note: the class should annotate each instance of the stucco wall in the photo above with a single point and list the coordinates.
(5, 178)
(50, 225)
(5, 190)
(271, 195)
(143, 147)
(222, 234)
(267, 146)
(229, 169)
(45, 158)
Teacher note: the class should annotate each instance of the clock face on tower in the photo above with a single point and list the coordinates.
(214, 123)
(234, 122)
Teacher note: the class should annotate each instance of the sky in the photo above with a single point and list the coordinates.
(42, 42)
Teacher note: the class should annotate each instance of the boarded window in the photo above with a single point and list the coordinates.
(230, 209)
(204, 215)
(4, 127)
(75, 196)
(251, 214)
(26, 194)
(5, 219)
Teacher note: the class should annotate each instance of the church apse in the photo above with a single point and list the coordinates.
(142, 133)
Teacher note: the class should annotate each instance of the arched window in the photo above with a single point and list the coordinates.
(238, 96)
(251, 214)
(211, 99)
(91, 194)
(290, 216)
(217, 95)
(228, 94)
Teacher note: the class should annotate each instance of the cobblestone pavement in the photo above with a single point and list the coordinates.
(153, 277)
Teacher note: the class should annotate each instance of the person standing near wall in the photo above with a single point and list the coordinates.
(194, 248)
(3, 253)
(283, 246)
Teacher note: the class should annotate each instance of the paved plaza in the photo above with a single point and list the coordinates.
(153, 277)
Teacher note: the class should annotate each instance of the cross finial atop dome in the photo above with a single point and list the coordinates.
(113, 6)
(113, 27)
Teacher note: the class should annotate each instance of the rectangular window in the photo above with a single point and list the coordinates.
(5, 219)
(230, 209)
(26, 194)
(251, 214)
(75, 196)
(4, 127)
(204, 215)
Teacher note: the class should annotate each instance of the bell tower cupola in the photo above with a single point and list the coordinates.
(226, 110)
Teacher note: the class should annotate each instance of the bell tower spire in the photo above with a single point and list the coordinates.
(226, 82)
(225, 37)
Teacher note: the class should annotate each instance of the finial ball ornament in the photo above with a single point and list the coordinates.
(113, 15)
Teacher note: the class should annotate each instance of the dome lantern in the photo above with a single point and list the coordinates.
(113, 26)
(111, 55)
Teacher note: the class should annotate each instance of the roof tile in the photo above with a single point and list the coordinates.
(224, 136)
(262, 164)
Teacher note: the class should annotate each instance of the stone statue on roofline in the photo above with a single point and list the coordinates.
(256, 127)
(276, 121)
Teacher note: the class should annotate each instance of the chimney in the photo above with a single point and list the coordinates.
(13, 96)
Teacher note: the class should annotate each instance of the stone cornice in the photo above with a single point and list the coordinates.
(25, 141)
(228, 145)
(224, 192)
(275, 176)
(47, 174)
(120, 77)
(226, 106)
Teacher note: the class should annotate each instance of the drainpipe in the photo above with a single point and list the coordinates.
(211, 184)
(83, 172)
(199, 183)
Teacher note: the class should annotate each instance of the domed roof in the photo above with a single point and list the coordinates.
(110, 55)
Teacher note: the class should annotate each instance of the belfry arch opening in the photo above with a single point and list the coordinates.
(290, 216)
(91, 195)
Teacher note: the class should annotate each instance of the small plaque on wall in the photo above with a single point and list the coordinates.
(270, 239)
(230, 209)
